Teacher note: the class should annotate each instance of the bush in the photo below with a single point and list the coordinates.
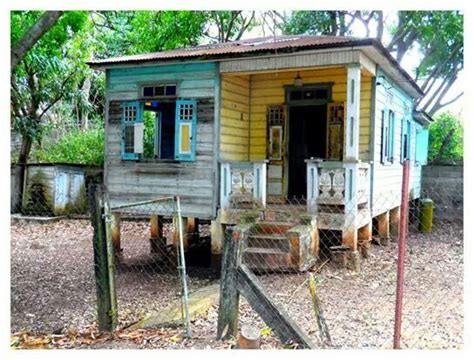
(446, 139)
(77, 147)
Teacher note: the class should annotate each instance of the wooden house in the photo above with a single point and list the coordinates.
(239, 129)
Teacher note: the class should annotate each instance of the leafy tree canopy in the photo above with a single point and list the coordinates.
(446, 139)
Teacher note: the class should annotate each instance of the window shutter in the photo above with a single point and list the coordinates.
(409, 135)
(335, 131)
(185, 133)
(391, 147)
(421, 150)
(385, 136)
(132, 130)
(138, 138)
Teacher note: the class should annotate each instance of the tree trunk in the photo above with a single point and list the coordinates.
(25, 149)
(29, 39)
(86, 89)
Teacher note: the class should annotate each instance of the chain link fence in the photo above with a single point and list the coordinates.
(351, 256)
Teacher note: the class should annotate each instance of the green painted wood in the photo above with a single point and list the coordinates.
(421, 150)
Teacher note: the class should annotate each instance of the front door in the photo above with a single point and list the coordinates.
(307, 138)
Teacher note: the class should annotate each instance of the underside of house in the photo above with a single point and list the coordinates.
(304, 136)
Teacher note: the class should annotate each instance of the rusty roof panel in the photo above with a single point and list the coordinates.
(269, 44)
(264, 44)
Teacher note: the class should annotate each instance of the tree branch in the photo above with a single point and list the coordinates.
(31, 37)
(59, 95)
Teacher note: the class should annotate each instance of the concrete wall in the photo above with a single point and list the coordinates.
(444, 185)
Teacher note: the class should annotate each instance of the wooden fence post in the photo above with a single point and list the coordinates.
(103, 261)
(229, 296)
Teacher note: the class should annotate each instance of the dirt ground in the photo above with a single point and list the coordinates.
(53, 293)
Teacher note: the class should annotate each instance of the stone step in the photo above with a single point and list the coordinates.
(269, 241)
(265, 259)
(271, 227)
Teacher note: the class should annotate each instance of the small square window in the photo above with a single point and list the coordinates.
(148, 91)
(159, 90)
(321, 94)
(170, 90)
(308, 95)
(296, 95)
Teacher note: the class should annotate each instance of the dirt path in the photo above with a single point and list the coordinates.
(53, 292)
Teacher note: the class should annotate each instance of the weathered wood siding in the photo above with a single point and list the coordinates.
(387, 181)
(365, 115)
(194, 181)
(269, 89)
(194, 80)
(234, 131)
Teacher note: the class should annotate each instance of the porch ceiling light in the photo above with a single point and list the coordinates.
(298, 81)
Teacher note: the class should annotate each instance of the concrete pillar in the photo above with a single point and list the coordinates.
(184, 222)
(157, 240)
(116, 236)
(217, 239)
(364, 238)
(383, 228)
(395, 222)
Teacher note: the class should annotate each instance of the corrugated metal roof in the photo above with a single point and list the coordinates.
(270, 44)
(263, 44)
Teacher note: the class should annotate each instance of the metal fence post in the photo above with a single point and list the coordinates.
(182, 269)
(106, 299)
(401, 254)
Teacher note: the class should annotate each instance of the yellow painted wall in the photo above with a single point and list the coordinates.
(268, 89)
(365, 111)
(234, 140)
(238, 113)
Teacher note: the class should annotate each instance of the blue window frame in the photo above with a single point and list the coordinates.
(185, 130)
(405, 141)
(131, 127)
(387, 136)
(421, 147)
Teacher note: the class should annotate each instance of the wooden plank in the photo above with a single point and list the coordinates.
(106, 315)
(227, 322)
(274, 316)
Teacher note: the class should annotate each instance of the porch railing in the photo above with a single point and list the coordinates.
(243, 184)
(336, 183)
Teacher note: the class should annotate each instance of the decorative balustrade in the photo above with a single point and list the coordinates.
(243, 184)
(335, 183)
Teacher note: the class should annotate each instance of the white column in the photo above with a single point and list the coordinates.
(260, 182)
(312, 181)
(225, 184)
(351, 147)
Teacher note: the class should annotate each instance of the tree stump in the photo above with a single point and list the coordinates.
(249, 337)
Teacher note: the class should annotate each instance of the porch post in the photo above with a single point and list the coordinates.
(351, 157)
(260, 182)
(312, 181)
(225, 185)
(351, 147)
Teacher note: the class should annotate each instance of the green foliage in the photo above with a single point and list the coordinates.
(49, 70)
(311, 22)
(446, 139)
(149, 118)
(77, 147)
(438, 34)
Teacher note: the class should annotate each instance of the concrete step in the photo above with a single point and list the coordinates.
(270, 241)
(265, 259)
(271, 228)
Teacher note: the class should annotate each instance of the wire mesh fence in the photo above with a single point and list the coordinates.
(349, 250)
